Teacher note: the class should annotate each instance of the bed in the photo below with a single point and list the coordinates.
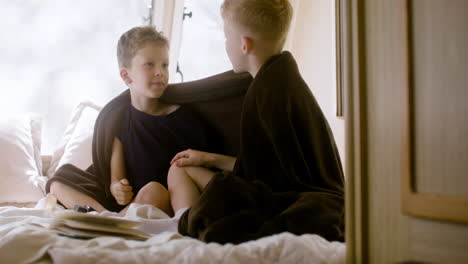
(24, 241)
(26, 211)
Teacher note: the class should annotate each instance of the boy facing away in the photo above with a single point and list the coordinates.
(285, 143)
(150, 133)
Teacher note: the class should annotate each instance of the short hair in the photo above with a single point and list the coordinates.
(270, 19)
(134, 39)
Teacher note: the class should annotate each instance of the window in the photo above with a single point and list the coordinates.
(58, 53)
(202, 51)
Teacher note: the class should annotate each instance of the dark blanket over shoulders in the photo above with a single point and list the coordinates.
(288, 175)
(95, 181)
(209, 97)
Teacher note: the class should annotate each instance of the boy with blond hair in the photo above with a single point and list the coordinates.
(287, 175)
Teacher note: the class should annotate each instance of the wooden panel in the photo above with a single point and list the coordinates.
(388, 239)
(356, 207)
(438, 242)
(440, 95)
(429, 156)
(375, 104)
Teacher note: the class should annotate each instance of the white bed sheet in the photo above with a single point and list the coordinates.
(22, 241)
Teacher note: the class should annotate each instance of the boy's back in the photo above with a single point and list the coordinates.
(285, 138)
(293, 176)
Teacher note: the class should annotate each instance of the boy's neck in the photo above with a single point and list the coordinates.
(257, 61)
(150, 106)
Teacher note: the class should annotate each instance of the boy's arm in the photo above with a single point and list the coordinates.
(117, 163)
(220, 161)
(119, 185)
(192, 157)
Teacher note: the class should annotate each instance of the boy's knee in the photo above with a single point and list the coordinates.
(152, 193)
(178, 175)
(174, 175)
(174, 169)
(56, 187)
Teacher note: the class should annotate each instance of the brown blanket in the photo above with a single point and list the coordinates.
(288, 175)
(218, 99)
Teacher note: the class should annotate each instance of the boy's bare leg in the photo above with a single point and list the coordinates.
(155, 194)
(70, 197)
(185, 185)
(200, 176)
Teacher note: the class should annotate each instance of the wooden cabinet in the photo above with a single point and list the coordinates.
(406, 101)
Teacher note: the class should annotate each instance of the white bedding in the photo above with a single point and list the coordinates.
(22, 241)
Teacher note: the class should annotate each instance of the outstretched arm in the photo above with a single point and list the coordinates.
(192, 157)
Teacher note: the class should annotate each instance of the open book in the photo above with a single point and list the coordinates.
(83, 225)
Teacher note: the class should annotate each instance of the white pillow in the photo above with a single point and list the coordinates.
(20, 162)
(75, 147)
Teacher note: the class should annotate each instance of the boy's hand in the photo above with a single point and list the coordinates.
(122, 192)
(191, 157)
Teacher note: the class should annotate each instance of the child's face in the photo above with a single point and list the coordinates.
(234, 44)
(148, 73)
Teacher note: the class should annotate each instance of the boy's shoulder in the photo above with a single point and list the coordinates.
(120, 101)
(112, 115)
(280, 70)
(116, 106)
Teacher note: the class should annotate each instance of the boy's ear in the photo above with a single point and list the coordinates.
(247, 44)
(124, 75)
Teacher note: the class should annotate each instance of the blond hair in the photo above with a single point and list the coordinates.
(269, 19)
(134, 39)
